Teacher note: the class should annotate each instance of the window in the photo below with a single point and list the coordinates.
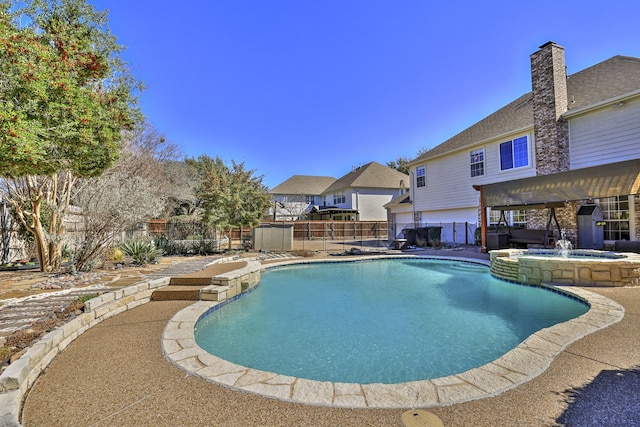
(494, 217)
(514, 154)
(421, 176)
(517, 218)
(311, 200)
(477, 162)
(615, 211)
(338, 198)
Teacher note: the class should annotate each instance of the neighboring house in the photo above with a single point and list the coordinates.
(293, 198)
(359, 195)
(573, 140)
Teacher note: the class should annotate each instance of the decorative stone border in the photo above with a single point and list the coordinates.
(588, 270)
(227, 285)
(22, 374)
(526, 361)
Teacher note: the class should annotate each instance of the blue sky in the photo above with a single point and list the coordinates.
(294, 87)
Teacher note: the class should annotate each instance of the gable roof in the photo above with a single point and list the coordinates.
(607, 80)
(371, 175)
(402, 199)
(303, 185)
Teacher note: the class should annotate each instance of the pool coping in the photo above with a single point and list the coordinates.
(521, 364)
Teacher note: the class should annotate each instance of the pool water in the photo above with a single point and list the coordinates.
(379, 321)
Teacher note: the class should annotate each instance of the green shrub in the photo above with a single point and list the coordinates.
(203, 247)
(85, 298)
(117, 255)
(173, 247)
(66, 252)
(141, 251)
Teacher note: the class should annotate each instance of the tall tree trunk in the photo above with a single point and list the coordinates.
(30, 219)
(27, 197)
(42, 248)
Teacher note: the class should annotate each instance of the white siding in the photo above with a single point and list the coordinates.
(401, 221)
(450, 185)
(450, 215)
(605, 136)
(370, 202)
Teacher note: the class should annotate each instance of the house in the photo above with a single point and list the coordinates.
(359, 195)
(293, 198)
(573, 140)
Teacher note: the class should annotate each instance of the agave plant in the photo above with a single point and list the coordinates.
(141, 251)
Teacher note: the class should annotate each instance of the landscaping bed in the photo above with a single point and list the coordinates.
(14, 345)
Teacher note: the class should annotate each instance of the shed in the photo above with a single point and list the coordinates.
(272, 237)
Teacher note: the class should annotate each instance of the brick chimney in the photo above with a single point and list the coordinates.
(550, 101)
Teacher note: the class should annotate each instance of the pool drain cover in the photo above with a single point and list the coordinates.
(421, 418)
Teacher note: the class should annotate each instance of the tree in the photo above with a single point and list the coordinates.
(401, 164)
(111, 204)
(129, 193)
(65, 98)
(230, 196)
(147, 153)
(291, 207)
(180, 197)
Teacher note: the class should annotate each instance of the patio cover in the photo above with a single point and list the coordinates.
(613, 179)
(327, 212)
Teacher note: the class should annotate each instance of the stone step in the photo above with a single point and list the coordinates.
(190, 281)
(203, 277)
(177, 293)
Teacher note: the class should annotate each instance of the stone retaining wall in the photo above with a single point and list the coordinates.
(228, 285)
(22, 374)
(583, 271)
(503, 267)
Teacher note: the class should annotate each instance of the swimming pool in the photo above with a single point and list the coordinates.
(379, 321)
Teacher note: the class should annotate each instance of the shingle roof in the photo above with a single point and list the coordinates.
(609, 79)
(404, 198)
(371, 175)
(303, 185)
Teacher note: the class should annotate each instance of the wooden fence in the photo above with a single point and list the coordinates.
(302, 230)
(339, 230)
